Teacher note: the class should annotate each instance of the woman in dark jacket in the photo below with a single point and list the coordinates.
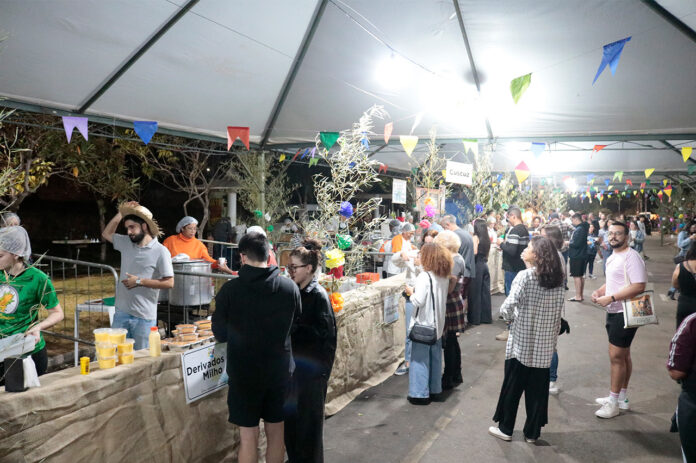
(313, 348)
(480, 288)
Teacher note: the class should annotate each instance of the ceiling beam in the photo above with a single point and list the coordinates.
(472, 63)
(111, 80)
(290, 78)
(671, 19)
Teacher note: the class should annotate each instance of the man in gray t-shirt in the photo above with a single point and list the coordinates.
(146, 267)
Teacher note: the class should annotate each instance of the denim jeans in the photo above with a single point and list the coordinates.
(425, 372)
(138, 328)
(409, 313)
(509, 276)
(553, 373)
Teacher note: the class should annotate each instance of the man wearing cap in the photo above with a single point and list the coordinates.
(185, 242)
(146, 267)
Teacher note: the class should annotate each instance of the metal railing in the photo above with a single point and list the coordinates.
(223, 249)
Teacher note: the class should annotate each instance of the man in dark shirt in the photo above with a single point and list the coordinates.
(516, 240)
(682, 365)
(254, 314)
(577, 252)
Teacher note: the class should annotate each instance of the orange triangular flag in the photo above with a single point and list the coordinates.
(388, 131)
(597, 149)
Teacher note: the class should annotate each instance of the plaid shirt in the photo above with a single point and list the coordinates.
(536, 316)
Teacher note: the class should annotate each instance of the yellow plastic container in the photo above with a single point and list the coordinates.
(106, 362)
(106, 349)
(126, 347)
(102, 334)
(118, 335)
(125, 358)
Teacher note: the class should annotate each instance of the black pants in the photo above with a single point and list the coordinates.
(480, 296)
(686, 420)
(304, 421)
(534, 382)
(452, 356)
(40, 360)
(590, 262)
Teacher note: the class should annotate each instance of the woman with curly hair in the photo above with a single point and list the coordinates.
(534, 307)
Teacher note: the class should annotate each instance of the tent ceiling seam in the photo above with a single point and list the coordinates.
(671, 19)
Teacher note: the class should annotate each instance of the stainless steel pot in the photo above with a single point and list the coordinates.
(190, 290)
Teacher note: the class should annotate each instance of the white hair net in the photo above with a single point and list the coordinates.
(188, 220)
(15, 240)
(9, 219)
(256, 229)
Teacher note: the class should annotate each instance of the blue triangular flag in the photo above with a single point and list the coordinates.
(500, 176)
(607, 182)
(590, 177)
(145, 130)
(610, 56)
(538, 148)
(304, 153)
(365, 142)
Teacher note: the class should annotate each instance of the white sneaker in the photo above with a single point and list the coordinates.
(608, 410)
(553, 388)
(623, 404)
(495, 432)
(529, 441)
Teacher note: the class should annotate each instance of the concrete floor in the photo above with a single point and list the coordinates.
(381, 426)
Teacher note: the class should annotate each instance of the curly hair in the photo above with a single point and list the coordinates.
(309, 253)
(437, 259)
(449, 240)
(547, 262)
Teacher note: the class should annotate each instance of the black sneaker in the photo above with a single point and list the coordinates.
(419, 400)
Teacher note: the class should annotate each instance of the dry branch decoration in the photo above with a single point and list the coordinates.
(351, 172)
(429, 174)
(492, 192)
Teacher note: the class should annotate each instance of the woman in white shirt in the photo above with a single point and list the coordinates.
(428, 297)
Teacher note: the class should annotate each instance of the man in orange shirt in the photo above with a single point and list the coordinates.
(185, 242)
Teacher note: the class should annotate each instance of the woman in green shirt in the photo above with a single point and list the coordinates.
(23, 291)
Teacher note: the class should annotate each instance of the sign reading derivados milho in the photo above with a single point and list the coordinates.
(458, 172)
(204, 370)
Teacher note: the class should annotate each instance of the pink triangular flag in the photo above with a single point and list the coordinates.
(388, 131)
(69, 124)
(237, 132)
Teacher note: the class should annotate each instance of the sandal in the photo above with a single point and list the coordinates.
(572, 299)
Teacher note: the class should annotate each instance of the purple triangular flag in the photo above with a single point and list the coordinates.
(610, 56)
(69, 124)
(314, 151)
(145, 130)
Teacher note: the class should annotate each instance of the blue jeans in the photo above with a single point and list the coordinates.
(425, 372)
(138, 328)
(553, 372)
(509, 276)
(409, 312)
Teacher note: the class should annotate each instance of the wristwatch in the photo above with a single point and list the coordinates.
(612, 297)
(139, 282)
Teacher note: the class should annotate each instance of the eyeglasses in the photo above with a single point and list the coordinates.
(292, 268)
(615, 233)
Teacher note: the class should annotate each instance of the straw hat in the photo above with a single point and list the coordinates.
(144, 213)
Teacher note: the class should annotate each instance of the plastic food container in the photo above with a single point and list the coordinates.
(118, 335)
(203, 333)
(102, 335)
(125, 358)
(126, 347)
(200, 323)
(106, 362)
(187, 337)
(184, 329)
(106, 349)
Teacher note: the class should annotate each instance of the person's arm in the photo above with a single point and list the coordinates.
(510, 245)
(476, 243)
(111, 227)
(159, 283)
(55, 315)
(675, 277)
(681, 351)
(507, 310)
(677, 375)
(599, 293)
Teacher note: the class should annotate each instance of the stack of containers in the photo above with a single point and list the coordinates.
(108, 342)
(204, 328)
(186, 333)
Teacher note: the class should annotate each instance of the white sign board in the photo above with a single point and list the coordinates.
(458, 172)
(204, 370)
(391, 308)
(398, 191)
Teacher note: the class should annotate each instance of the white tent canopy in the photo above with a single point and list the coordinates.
(291, 69)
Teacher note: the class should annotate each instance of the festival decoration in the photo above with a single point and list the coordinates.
(629, 182)
(237, 132)
(258, 213)
(313, 162)
(692, 168)
(521, 172)
(610, 55)
(346, 209)
(478, 208)
(664, 182)
(597, 149)
(335, 258)
(538, 148)
(519, 85)
(365, 141)
(408, 142)
(145, 130)
(281, 158)
(430, 211)
(648, 172)
(668, 191)
(336, 302)
(388, 128)
(69, 124)
(618, 175)
(328, 139)
(429, 202)
(344, 241)
(382, 168)
(270, 228)
(607, 182)
(686, 152)
(590, 179)
(471, 144)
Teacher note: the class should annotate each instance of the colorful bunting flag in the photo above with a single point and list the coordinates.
(692, 168)
(408, 142)
(610, 55)
(590, 179)
(668, 190)
(686, 152)
(471, 144)
(328, 139)
(519, 85)
(648, 172)
(365, 141)
(629, 182)
(607, 182)
(296, 154)
(538, 148)
(664, 182)
(281, 158)
(313, 161)
(304, 153)
(237, 132)
(618, 175)
(521, 172)
(388, 128)
(145, 130)
(382, 168)
(69, 124)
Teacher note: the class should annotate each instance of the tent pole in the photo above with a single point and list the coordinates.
(671, 19)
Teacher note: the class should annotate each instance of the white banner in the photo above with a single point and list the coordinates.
(458, 172)
(398, 191)
(204, 370)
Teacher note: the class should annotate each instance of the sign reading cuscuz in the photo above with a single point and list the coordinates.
(204, 370)
(458, 172)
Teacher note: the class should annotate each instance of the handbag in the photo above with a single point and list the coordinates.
(639, 310)
(424, 334)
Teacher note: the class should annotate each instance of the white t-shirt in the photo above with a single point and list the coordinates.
(616, 279)
(422, 300)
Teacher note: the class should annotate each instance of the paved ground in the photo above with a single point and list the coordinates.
(381, 426)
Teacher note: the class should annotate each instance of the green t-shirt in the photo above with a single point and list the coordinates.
(20, 300)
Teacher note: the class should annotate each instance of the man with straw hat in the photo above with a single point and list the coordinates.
(146, 267)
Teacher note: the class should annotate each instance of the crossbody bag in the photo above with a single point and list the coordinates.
(424, 334)
(639, 310)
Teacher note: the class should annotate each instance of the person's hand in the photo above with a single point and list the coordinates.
(408, 290)
(595, 296)
(404, 256)
(224, 268)
(130, 281)
(603, 301)
(499, 241)
(34, 331)
(566, 243)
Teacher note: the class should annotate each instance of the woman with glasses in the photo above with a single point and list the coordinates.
(313, 348)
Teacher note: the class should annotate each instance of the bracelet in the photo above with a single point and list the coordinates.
(613, 298)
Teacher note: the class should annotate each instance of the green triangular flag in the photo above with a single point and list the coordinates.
(328, 139)
(519, 85)
(313, 161)
(692, 168)
(618, 174)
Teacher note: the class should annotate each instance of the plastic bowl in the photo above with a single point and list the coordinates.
(107, 362)
(102, 334)
(105, 349)
(184, 329)
(187, 337)
(118, 335)
(126, 347)
(125, 358)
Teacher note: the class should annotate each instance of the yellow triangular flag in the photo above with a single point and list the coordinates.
(686, 152)
(521, 175)
(444, 174)
(648, 172)
(664, 182)
(282, 158)
(409, 143)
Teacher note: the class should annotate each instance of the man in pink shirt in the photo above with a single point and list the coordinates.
(626, 278)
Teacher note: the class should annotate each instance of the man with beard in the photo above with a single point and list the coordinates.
(146, 267)
(626, 278)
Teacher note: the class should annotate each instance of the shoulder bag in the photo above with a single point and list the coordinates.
(639, 310)
(424, 334)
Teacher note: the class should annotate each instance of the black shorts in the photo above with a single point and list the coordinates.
(618, 335)
(577, 267)
(248, 403)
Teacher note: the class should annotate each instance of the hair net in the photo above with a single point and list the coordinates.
(9, 217)
(256, 229)
(407, 227)
(15, 240)
(188, 220)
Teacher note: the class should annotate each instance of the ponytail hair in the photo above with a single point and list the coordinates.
(309, 253)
